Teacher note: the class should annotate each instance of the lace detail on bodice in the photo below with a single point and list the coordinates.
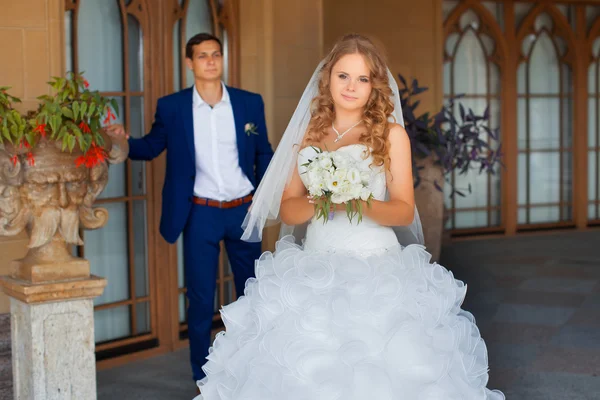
(339, 234)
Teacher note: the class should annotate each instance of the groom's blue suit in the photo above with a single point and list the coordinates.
(203, 226)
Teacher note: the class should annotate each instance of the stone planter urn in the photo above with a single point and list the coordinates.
(430, 203)
(50, 290)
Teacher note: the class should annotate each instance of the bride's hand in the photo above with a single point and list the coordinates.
(314, 200)
(333, 207)
(317, 201)
(338, 207)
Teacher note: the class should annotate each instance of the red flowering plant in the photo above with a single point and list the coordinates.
(72, 115)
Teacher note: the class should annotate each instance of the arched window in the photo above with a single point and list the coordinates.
(548, 68)
(118, 45)
(545, 120)
(593, 194)
(196, 16)
(472, 65)
(106, 40)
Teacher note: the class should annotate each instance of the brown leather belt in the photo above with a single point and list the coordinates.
(201, 201)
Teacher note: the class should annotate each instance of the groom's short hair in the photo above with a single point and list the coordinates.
(197, 39)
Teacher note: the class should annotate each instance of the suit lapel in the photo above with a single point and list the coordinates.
(188, 120)
(237, 105)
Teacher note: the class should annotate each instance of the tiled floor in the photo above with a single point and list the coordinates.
(537, 300)
(5, 358)
(537, 303)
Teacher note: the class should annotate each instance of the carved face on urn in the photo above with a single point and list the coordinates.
(52, 198)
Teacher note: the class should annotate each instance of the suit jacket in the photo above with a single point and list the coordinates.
(173, 130)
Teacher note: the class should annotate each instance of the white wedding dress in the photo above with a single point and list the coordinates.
(350, 315)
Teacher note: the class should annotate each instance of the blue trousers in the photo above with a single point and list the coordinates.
(205, 229)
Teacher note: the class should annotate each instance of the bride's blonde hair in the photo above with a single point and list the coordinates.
(378, 109)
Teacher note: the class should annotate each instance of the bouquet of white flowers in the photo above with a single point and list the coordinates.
(334, 178)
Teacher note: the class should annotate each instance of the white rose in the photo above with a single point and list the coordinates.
(356, 191)
(316, 190)
(325, 162)
(365, 193)
(340, 160)
(353, 176)
(346, 188)
(365, 177)
(314, 176)
(341, 174)
(340, 198)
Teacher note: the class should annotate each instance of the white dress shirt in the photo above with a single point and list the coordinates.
(218, 172)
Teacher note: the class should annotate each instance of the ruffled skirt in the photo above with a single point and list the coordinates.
(328, 326)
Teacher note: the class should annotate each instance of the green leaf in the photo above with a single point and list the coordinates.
(61, 134)
(94, 124)
(77, 131)
(349, 211)
(91, 110)
(115, 106)
(30, 136)
(83, 110)
(71, 142)
(53, 83)
(67, 112)
(72, 88)
(6, 133)
(81, 142)
(57, 125)
(99, 139)
(65, 142)
(75, 110)
(53, 123)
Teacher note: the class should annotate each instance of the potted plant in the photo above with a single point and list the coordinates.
(53, 165)
(453, 140)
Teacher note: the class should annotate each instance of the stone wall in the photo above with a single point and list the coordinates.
(31, 33)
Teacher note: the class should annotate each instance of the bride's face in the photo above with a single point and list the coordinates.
(350, 82)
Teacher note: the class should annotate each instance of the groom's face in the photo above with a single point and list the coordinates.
(207, 61)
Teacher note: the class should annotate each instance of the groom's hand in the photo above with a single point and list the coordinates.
(116, 131)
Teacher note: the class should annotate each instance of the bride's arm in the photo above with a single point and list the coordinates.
(400, 209)
(295, 206)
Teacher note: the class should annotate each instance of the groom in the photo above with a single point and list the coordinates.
(217, 153)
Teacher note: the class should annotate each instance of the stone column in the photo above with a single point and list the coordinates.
(52, 329)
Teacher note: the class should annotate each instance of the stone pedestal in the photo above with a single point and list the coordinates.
(52, 330)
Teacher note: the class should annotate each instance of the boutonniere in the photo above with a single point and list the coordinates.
(250, 128)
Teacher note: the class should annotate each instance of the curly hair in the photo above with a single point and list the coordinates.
(378, 109)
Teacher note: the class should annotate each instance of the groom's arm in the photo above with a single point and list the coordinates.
(264, 151)
(151, 145)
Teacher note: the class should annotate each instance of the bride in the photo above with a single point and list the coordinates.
(353, 312)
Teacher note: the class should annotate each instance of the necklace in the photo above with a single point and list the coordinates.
(341, 135)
